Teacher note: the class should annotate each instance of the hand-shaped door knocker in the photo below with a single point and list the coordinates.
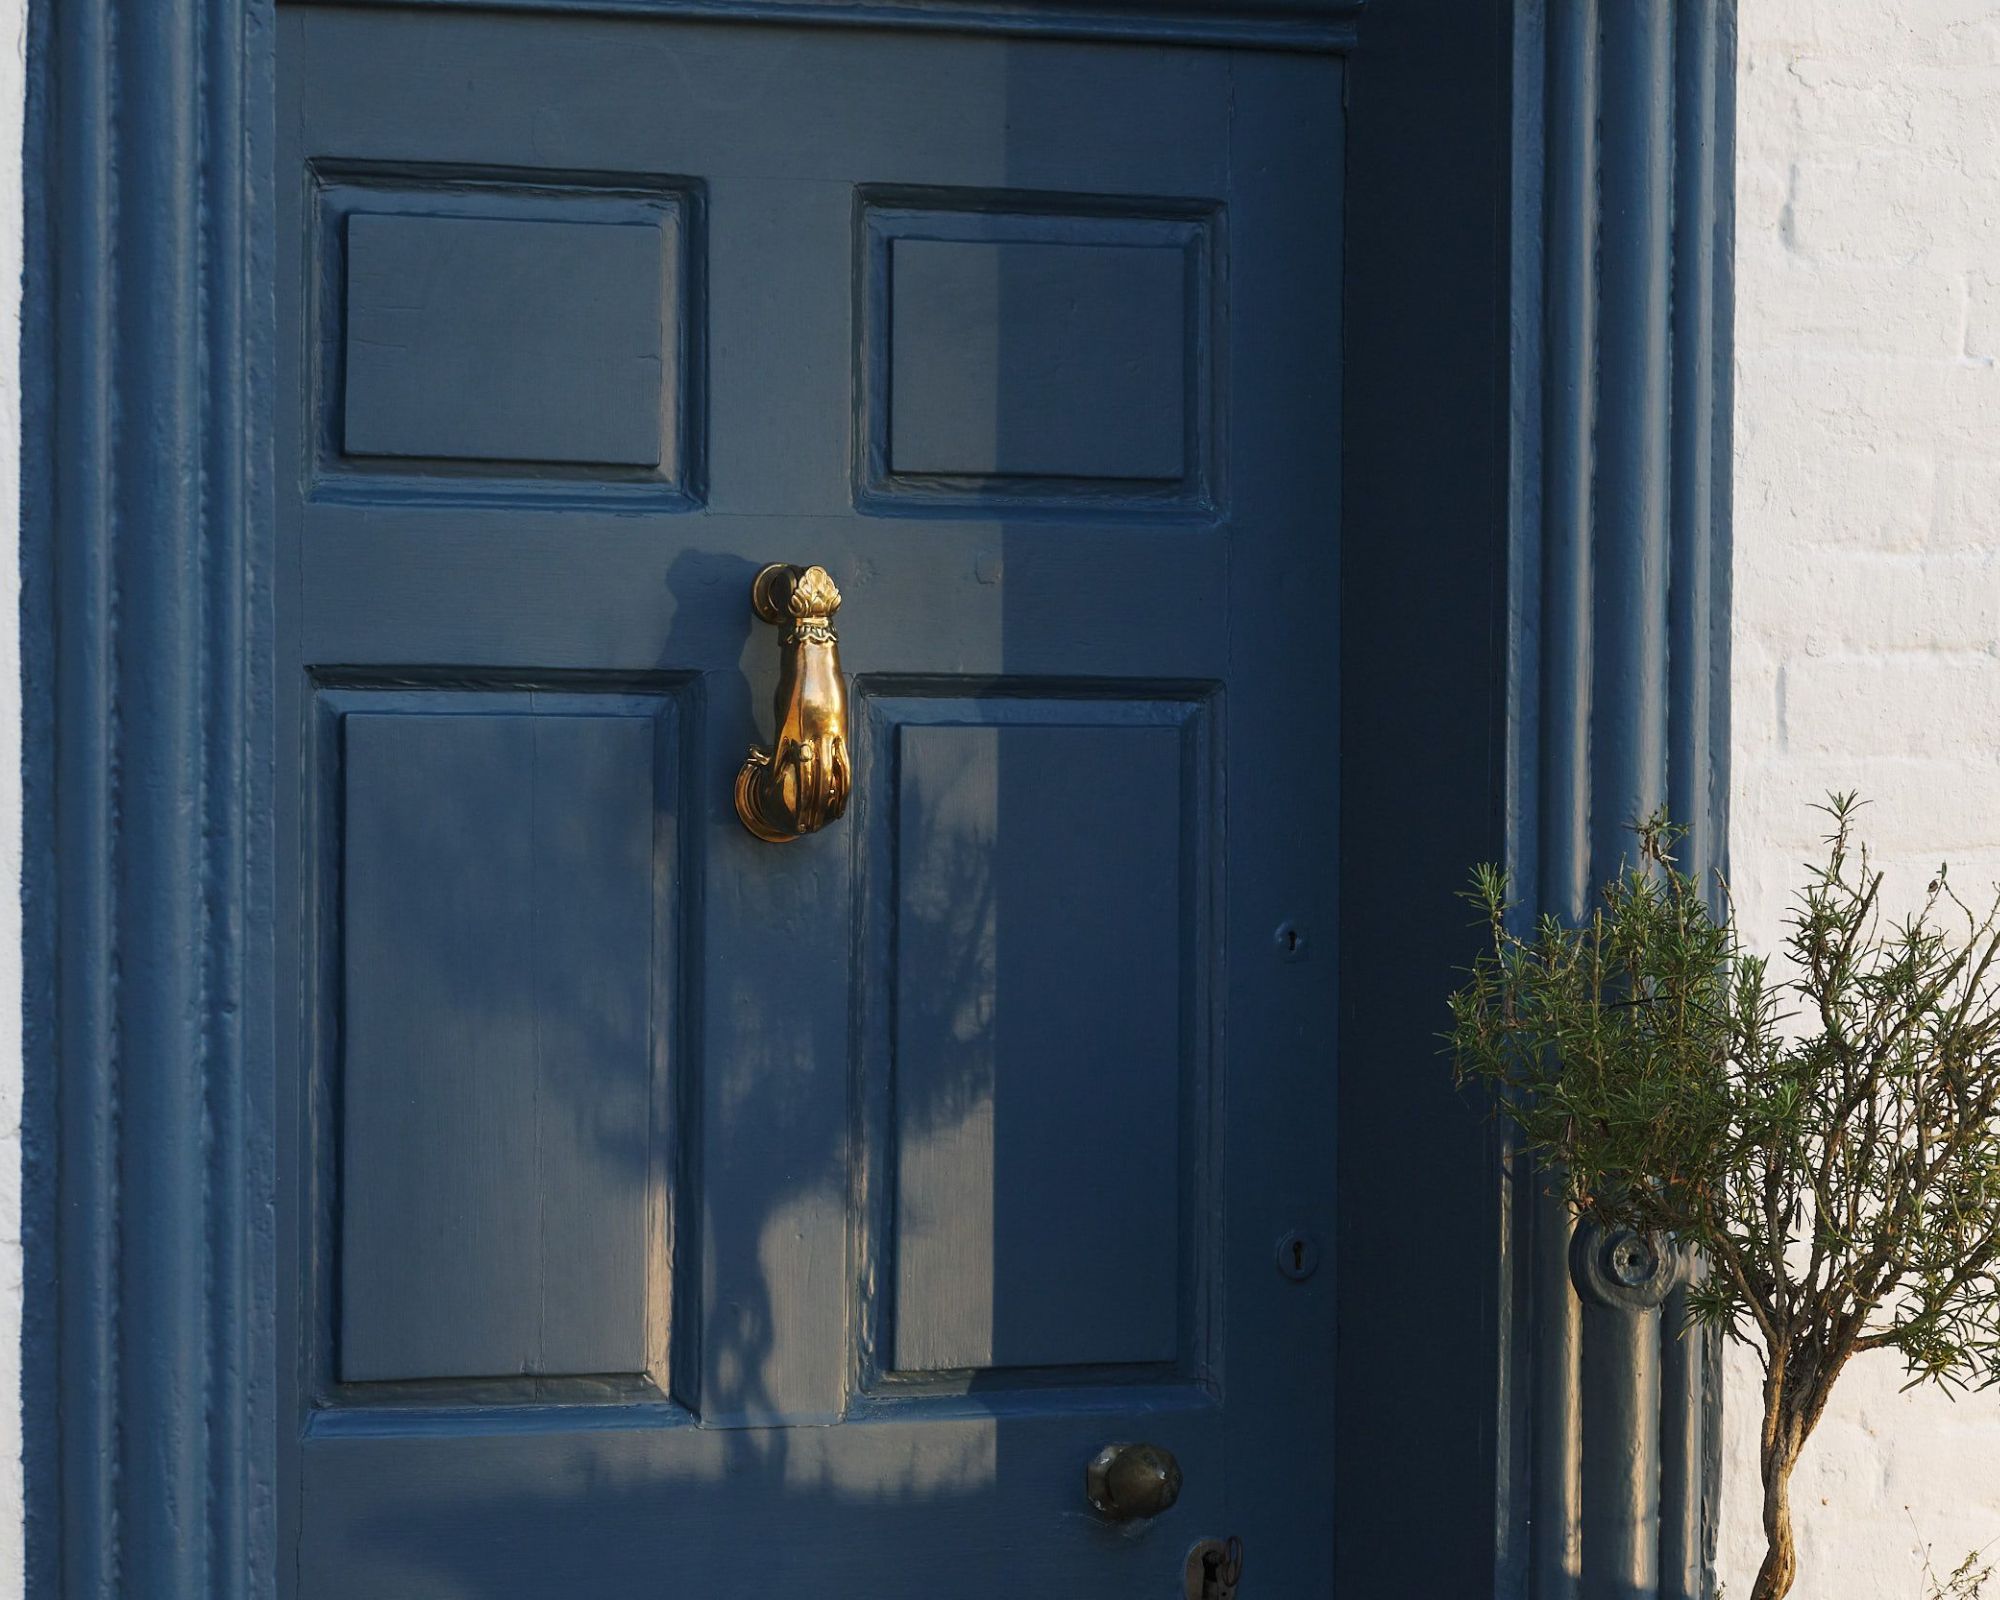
(800, 783)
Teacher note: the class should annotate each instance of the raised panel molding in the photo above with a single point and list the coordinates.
(598, 405)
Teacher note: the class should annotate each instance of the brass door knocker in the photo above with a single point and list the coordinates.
(800, 784)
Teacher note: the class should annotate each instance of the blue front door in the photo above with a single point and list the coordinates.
(671, 1212)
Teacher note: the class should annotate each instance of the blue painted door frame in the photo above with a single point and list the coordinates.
(1531, 593)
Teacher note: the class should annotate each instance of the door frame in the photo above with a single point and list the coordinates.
(1533, 588)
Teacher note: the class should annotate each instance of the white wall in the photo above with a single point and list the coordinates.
(1867, 621)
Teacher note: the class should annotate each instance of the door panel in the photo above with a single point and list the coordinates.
(1094, 380)
(1037, 1164)
(580, 379)
(497, 1073)
(590, 399)
(671, 1210)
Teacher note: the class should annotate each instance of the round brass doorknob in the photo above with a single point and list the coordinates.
(1128, 1481)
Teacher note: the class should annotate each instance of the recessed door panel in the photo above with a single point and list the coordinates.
(1049, 349)
(579, 382)
(1094, 349)
(1044, 1051)
(496, 1063)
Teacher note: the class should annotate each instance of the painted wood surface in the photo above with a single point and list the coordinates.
(1090, 357)
(496, 1086)
(1623, 551)
(1041, 1048)
(579, 379)
(802, 1216)
(1306, 25)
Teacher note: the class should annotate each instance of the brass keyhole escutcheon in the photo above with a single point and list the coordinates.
(801, 783)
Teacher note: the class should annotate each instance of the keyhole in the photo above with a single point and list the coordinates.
(1298, 1255)
(1211, 1571)
(1290, 941)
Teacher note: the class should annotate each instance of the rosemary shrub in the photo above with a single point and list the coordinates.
(1826, 1139)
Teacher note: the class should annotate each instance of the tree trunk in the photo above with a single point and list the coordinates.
(1781, 1561)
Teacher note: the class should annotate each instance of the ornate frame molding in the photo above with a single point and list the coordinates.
(146, 651)
(1619, 691)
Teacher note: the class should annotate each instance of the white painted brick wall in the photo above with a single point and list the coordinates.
(1867, 623)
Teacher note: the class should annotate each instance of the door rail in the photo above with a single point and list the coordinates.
(1314, 26)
